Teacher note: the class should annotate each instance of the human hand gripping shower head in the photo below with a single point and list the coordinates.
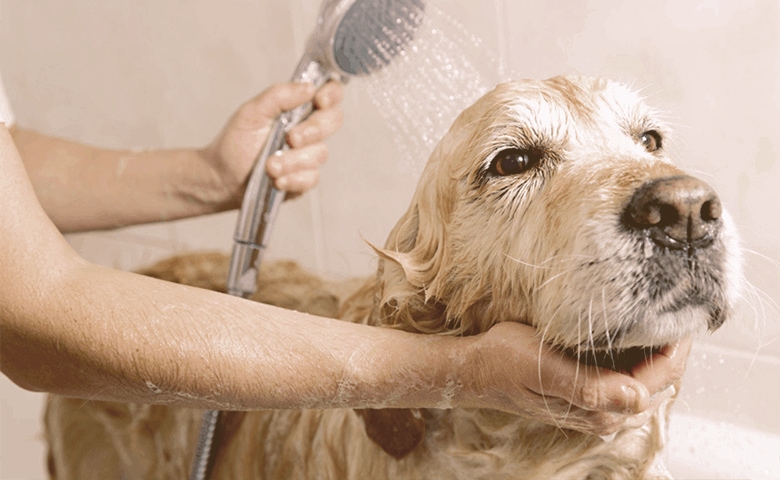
(353, 37)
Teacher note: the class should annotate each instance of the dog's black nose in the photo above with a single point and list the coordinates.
(678, 212)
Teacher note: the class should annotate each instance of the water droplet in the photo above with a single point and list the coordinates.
(420, 92)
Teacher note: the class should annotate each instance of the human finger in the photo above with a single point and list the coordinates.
(330, 95)
(563, 414)
(298, 182)
(604, 423)
(276, 99)
(288, 162)
(296, 171)
(636, 421)
(664, 368)
(586, 386)
(320, 125)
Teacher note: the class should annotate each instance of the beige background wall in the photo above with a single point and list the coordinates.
(168, 73)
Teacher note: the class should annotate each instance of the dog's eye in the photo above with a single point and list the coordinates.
(651, 140)
(513, 161)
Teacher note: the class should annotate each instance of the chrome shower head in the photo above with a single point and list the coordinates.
(353, 37)
(358, 37)
(372, 32)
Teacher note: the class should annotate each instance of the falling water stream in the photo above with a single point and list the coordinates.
(420, 92)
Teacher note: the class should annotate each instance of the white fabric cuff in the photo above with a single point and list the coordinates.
(6, 114)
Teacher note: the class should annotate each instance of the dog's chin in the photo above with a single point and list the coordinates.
(620, 360)
(631, 348)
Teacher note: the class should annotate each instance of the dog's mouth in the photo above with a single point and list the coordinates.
(619, 360)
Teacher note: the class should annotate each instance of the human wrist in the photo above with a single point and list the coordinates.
(210, 187)
(490, 367)
(403, 370)
(452, 378)
(470, 372)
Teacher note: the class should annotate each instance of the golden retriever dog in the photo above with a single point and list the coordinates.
(552, 203)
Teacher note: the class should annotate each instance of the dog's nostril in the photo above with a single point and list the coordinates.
(677, 211)
(711, 210)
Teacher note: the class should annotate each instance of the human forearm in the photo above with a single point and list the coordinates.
(102, 334)
(85, 188)
(77, 329)
(88, 188)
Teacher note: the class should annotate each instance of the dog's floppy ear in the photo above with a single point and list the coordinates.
(409, 277)
(398, 431)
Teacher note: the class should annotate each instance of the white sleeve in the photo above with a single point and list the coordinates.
(6, 114)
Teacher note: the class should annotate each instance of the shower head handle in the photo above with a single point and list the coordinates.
(262, 200)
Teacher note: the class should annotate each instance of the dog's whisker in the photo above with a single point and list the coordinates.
(559, 339)
(758, 301)
(774, 262)
(557, 275)
(605, 315)
(86, 402)
(555, 258)
(573, 393)
(517, 260)
(591, 342)
(540, 379)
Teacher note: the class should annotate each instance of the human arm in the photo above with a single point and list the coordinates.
(83, 187)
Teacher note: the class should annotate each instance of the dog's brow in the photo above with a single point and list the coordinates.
(574, 97)
(632, 113)
(537, 124)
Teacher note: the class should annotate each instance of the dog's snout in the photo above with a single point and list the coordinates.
(678, 212)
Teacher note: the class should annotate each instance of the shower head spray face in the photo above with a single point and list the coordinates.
(358, 37)
(372, 32)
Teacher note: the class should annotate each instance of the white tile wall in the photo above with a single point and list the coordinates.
(168, 73)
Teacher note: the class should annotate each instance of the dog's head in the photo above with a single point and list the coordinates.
(555, 203)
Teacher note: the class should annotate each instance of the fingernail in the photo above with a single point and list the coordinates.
(632, 399)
